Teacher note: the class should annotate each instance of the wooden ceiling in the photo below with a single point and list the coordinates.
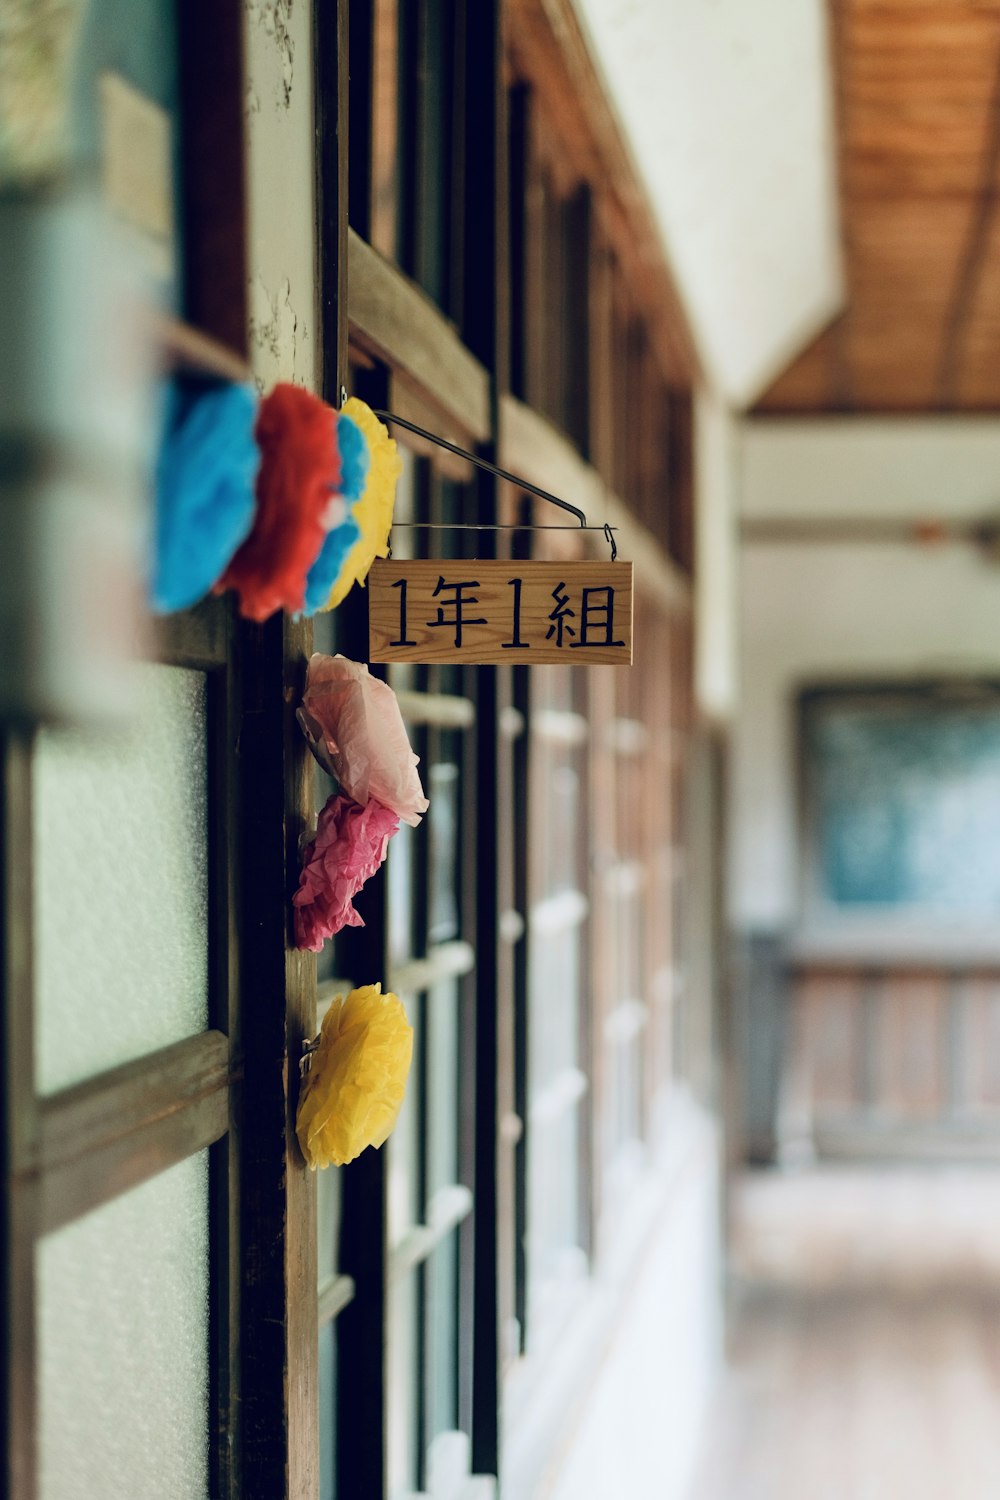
(918, 105)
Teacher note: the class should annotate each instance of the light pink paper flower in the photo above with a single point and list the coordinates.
(355, 729)
(349, 846)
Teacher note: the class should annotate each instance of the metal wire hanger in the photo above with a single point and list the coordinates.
(483, 463)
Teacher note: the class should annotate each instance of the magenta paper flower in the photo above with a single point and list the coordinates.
(356, 731)
(348, 847)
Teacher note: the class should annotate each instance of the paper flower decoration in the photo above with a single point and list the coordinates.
(297, 482)
(353, 724)
(205, 474)
(348, 847)
(353, 1091)
(355, 462)
(373, 512)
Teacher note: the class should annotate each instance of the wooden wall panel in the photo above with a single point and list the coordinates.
(832, 1035)
(910, 1055)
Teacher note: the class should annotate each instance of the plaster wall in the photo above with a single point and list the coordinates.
(280, 180)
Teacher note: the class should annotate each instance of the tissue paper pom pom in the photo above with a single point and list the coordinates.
(352, 446)
(373, 511)
(356, 731)
(326, 569)
(205, 475)
(349, 846)
(299, 473)
(353, 1091)
(355, 457)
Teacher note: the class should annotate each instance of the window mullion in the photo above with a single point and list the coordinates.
(109, 1134)
(21, 1117)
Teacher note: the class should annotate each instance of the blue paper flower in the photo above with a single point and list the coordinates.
(354, 462)
(355, 458)
(205, 475)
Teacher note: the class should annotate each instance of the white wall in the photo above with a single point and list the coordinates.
(716, 559)
(639, 1427)
(726, 105)
(860, 466)
(810, 611)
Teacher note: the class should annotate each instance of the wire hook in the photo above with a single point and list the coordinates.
(483, 463)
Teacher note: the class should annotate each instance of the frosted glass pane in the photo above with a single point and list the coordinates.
(327, 1222)
(121, 883)
(123, 1345)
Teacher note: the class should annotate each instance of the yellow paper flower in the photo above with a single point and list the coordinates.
(353, 1092)
(373, 512)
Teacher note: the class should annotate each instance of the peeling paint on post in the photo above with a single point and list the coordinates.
(282, 208)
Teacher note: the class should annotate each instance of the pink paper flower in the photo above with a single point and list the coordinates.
(353, 724)
(349, 845)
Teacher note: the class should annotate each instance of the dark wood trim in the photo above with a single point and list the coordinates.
(301, 1275)
(21, 1347)
(197, 638)
(112, 1133)
(486, 332)
(331, 47)
(224, 722)
(213, 168)
(20, 1118)
(18, 978)
(278, 1220)
(361, 1327)
(213, 342)
(361, 121)
(972, 262)
(519, 1018)
(361, 1369)
(577, 232)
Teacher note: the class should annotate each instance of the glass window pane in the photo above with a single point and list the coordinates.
(404, 1206)
(327, 1222)
(123, 1345)
(121, 883)
(402, 1397)
(441, 1340)
(401, 879)
(442, 821)
(441, 1103)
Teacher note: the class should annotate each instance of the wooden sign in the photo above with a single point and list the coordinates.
(520, 613)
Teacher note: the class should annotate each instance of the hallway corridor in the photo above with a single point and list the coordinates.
(864, 1351)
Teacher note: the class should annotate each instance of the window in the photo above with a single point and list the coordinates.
(351, 1332)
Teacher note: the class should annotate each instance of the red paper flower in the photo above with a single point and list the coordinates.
(298, 476)
(349, 846)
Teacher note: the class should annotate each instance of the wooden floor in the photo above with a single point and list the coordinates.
(864, 1351)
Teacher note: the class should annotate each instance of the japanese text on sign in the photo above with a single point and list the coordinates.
(481, 612)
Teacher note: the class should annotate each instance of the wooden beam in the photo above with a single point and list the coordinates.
(530, 446)
(392, 317)
(113, 1132)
